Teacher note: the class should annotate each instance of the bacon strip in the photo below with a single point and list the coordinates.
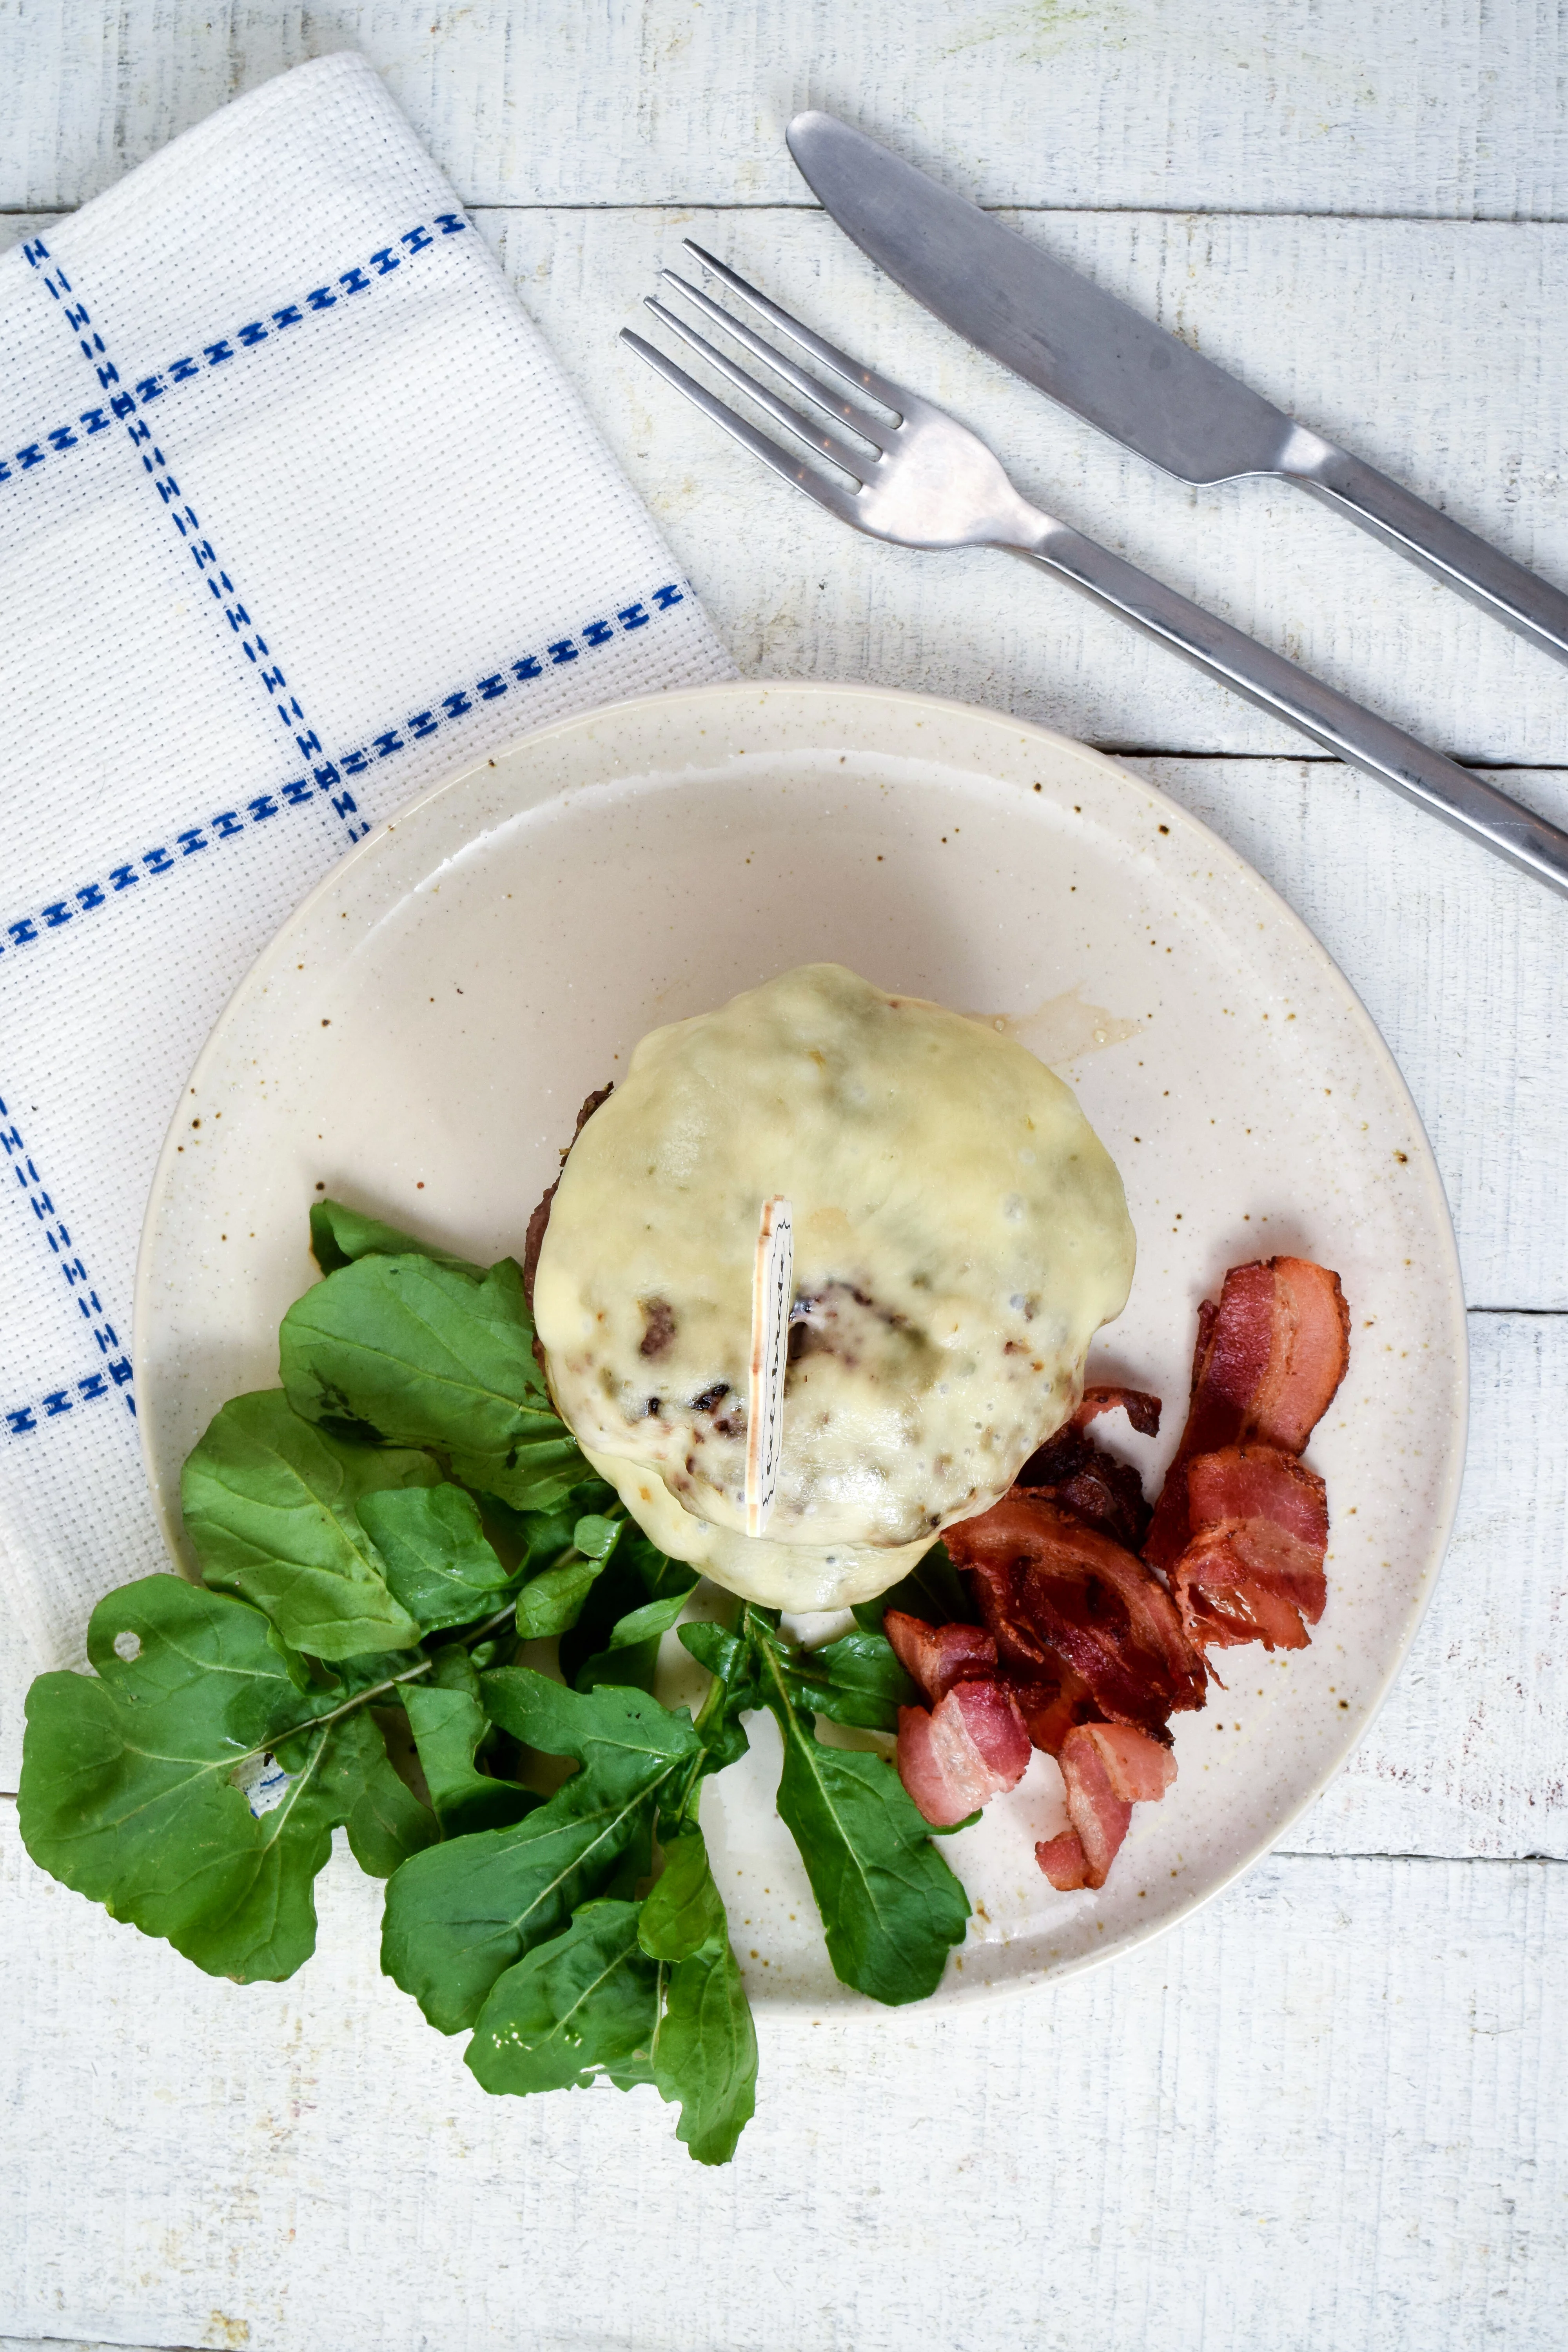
(1106, 1771)
(1254, 1570)
(937, 1656)
(1270, 1355)
(970, 1747)
(1053, 1592)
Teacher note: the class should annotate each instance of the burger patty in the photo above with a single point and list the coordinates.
(533, 1240)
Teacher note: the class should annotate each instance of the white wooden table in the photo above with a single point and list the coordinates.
(1332, 2109)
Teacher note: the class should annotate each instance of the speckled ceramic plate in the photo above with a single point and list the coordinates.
(418, 1037)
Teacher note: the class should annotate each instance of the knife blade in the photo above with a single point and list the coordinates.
(1145, 388)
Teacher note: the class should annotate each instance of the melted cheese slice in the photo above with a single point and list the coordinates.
(796, 1576)
(960, 1234)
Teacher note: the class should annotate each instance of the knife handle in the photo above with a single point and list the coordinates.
(1330, 719)
(1438, 544)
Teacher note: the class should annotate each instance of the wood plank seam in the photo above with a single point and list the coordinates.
(678, 209)
(78, 2343)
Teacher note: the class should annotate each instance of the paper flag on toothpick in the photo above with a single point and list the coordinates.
(772, 1289)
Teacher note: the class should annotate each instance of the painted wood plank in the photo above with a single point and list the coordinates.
(1433, 349)
(1325, 2111)
(1451, 109)
(1467, 1754)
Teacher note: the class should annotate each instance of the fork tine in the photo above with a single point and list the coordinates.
(856, 463)
(859, 421)
(833, 496)
(880, 387)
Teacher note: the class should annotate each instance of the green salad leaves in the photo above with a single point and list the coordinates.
(379, 1538)
(423, 1354)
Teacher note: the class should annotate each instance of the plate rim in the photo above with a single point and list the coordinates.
(757, 692)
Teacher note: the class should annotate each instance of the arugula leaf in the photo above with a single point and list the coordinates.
(855, 1679)
(585, 2003)
(270, 1505)
(369, 1671)
(587, 1727)
(596, 1536)
(648, 1623)
(735, 1691)
(460, 1913)
(386, 1822)
(540, 1536)
(933, 1590)
(449, 1723)
(617, 1635)
(551, 1601)
(427, 1356)
(706, 2052)
(726, 1654)
(339, 1235)
(129, 1791)
(684, 1911)
(433, 1554)
(891, 1906)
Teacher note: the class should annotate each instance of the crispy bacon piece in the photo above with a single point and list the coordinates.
(1254, 1570)
(1051, 1699)
(1054, 1590)
(937, 1656)
(1140, 1770)
(1071, 1470)
(1063, 1860)
(1083, 1477)
(1089, 1654)
(1142, 1409)
(1270, 1357)
(1107, 1768)
(968, 1748)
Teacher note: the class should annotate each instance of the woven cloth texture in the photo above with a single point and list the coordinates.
(296, 515)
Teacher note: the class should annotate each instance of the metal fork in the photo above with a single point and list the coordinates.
(921, 479)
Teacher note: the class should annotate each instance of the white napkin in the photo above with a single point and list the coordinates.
(296, 514)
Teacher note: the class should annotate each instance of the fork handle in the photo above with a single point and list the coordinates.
(1434, 540)
(1342, 727)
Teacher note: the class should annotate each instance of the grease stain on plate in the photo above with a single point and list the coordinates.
(1062, 1028)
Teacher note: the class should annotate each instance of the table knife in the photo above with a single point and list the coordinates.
(1110, 364)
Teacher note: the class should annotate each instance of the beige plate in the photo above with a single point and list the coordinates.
(418, 1037)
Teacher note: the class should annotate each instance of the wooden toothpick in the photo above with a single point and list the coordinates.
(772, 1289)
